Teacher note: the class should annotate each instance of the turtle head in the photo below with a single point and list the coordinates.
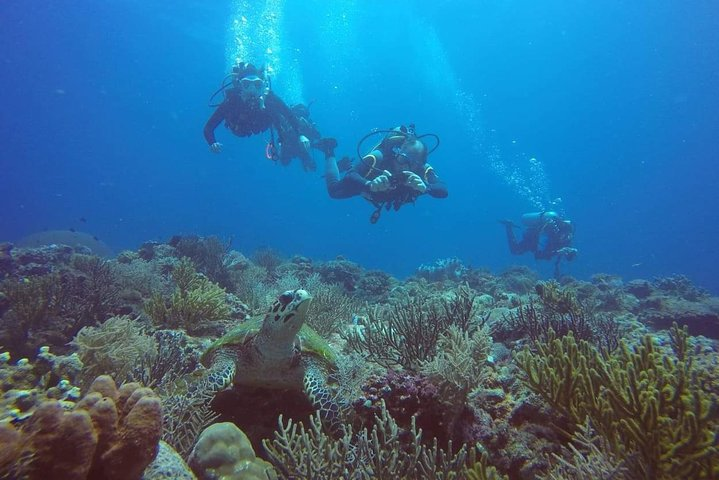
(286, 316)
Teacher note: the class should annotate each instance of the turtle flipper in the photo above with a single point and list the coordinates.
(322, 398)
(220, 375)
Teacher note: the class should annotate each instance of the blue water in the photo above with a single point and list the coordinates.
(103, 105)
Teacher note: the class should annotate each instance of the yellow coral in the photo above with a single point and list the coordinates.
(195, 303)
(646, 402)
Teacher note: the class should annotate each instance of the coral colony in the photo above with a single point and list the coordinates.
(189, 360)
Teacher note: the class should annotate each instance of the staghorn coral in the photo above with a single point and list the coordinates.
(647, 403)
(111, 434)
(114, 347)
(196, 304)
(384, 452)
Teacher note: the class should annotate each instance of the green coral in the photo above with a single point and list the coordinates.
(195, 304)
(645, 401)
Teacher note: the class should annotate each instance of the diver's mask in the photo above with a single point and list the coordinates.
(408, 156)
(252, 85)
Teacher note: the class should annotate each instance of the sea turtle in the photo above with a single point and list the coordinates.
(277, 351)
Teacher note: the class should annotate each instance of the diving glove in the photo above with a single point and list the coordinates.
(380, 183)
(326, 146)
(412, 180)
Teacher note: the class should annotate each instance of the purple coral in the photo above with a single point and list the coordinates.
(405, 395)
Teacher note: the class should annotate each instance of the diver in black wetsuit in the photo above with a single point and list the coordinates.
(291, 146)
(250, 107)
(394, 173)
(546, 235)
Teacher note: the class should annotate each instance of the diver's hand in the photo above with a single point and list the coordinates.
(305, 142)
(414, 181)
(381, 183)
(216, 147)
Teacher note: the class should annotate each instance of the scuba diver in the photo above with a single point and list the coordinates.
(249, 108)
(393, 173)
(546, 235)
(291, 146)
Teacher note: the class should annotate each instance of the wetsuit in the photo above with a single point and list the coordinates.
(293, 148)
(373, 165)
(544, 240)
(246, 118)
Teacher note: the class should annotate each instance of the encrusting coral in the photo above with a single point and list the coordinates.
(646, 402)
(111, 434)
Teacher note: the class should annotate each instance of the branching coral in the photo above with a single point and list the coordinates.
(646, 402)
(52, 307)
(460, 359)
(405, 334)
(31, 300)
(208, 254)
(330, 308)
(559, 311)
(588, 457)
(384, 452)
(195, 304)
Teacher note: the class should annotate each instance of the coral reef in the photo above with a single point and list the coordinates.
(110, 434)
(49, 304)
(168, 465)
(598, 390)
(223, 452)
(385, 451)
(196, 305)
(114, 347)
(443, 269)
(645, 401)
(208, 254)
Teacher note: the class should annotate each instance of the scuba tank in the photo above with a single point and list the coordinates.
(535, 219)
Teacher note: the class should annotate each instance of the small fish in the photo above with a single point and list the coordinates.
(72, 230)
(83, 219)
(94, 237)
(635, 265)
